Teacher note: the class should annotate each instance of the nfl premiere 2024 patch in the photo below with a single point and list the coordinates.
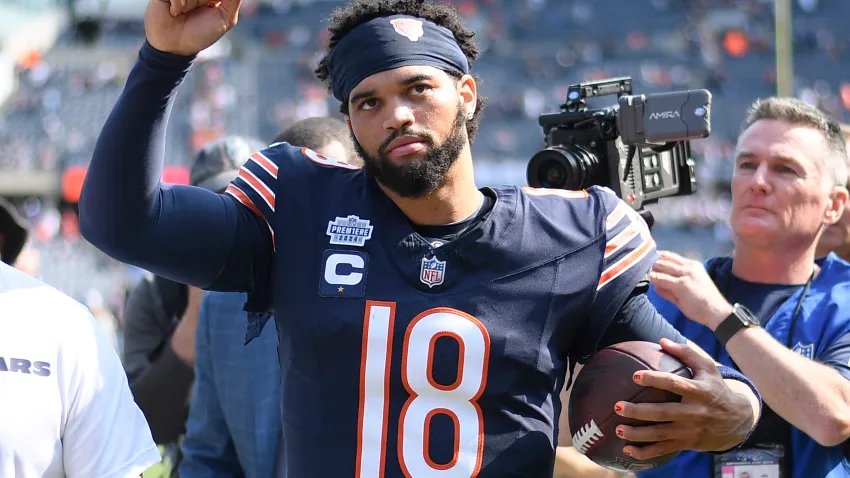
(349, 231)
(343, 274)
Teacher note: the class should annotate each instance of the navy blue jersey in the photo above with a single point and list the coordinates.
(404, 358)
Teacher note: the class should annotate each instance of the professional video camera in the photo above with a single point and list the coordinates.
(639, 148)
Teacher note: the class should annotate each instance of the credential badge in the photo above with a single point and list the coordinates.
(349, 231)
(408, 27)
(433, 271)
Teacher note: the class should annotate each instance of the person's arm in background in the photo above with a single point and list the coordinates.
(182, 341)
(812, 396)
(208, 449)
(159, 379)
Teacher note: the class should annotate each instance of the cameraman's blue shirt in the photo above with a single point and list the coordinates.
(821, 333)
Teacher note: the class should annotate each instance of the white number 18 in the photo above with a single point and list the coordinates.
(427, 398)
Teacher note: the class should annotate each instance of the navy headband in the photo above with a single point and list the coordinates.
(385, 43)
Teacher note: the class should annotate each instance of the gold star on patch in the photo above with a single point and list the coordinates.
(340, 289)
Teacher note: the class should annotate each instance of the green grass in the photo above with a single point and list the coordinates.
(160, 470)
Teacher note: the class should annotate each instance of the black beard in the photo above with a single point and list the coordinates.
(418, 177)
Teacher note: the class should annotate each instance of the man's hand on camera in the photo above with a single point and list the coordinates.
(686, 284)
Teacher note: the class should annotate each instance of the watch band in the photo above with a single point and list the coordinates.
(729, 327)
(740, 318)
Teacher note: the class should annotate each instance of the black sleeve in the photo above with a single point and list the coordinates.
(187, 234)
(159, 380)
(638, 320)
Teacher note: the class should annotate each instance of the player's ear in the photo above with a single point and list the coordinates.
(468, 93)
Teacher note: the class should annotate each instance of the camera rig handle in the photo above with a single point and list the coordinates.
(647, 216)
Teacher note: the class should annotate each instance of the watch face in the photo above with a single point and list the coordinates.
(745, 315)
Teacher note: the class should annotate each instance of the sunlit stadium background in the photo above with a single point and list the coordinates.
(63, 64)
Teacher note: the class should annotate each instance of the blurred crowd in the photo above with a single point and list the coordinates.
(260, 80)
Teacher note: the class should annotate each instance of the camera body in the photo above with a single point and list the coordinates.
(639, 148)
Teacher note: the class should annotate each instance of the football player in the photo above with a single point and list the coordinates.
(426, 325)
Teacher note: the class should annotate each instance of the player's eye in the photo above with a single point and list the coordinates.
(419, 89)
(367, 104)
(746, 165)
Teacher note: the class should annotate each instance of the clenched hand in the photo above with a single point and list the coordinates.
(186, 27)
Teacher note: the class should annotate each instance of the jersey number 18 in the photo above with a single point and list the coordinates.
(427, 398)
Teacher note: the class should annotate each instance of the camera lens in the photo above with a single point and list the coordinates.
(553, 173)
(562, 167)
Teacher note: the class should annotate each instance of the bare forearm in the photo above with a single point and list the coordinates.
(809, 395)
(742, 388)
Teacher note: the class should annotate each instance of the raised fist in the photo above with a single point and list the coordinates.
(186, 27)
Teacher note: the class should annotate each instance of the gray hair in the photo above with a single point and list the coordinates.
(792, 110)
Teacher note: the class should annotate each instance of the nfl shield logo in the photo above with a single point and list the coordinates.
(807, 351)
(433, 271)
(408, 27)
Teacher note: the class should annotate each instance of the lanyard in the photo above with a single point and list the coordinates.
(725, 292)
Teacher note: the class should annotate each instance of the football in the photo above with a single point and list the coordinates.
(607, 379)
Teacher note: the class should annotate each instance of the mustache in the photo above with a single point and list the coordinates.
(423, 136)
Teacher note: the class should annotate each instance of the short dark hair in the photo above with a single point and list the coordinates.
(347, 17)
(315, 133)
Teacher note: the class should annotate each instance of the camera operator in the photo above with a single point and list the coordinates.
(788, 185)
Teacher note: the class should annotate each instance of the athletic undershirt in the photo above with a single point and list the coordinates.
(439, 235)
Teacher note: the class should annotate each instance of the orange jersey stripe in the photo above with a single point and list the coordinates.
(621, 239)
(265, 163)
(240, 196)
(625, 263)
(258, 186)
(616, 215)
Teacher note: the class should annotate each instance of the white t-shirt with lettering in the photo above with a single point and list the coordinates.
(65, 407)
